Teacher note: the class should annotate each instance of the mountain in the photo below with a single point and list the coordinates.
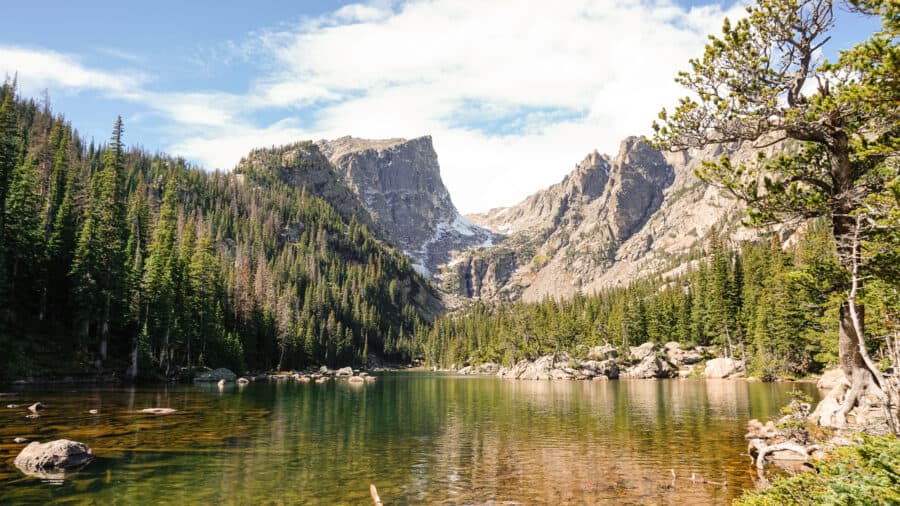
(399, 183)
(608, 222)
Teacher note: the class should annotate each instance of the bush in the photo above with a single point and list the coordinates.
(866, 474)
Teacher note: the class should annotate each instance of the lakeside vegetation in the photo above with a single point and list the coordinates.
(122, 261)
(770, 305)
(867, 473)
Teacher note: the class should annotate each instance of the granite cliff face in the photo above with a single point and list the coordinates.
(393, 186)
(608, 222)
(399, 183)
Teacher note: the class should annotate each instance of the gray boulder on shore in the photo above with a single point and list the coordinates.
(651, 367)
(718, 368)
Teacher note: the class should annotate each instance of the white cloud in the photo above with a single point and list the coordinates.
(514, 93)
(412, 71)
(224, 148)
(40, 69)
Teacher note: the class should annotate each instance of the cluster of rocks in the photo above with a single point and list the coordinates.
(646, 361)
(321, 375)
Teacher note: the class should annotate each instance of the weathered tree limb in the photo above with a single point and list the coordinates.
(763, 449)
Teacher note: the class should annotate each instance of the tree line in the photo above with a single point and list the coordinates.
(118, 260)
(770, 305)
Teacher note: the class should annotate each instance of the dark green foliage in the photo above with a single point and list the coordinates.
(864, 474)
(761, 303)
(121, 260)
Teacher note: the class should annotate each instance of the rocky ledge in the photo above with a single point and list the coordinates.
(646, 361)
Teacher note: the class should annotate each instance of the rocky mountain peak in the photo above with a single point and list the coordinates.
(399, 182)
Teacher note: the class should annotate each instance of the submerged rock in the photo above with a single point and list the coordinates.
(723, 368)
(356, 379)
(37, 406)
(158, 411)
(21, 440)
(59, 455)
(215, 376)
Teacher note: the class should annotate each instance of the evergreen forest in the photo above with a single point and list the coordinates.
(116, 261)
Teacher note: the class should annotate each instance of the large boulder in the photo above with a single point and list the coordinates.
(678, 356)
(641, 352)
(215, 376)
(831, 379)
(55, 456)
(723, 368)
(605, 352)
(593, 368)
(651, 366)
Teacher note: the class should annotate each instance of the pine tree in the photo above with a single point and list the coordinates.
(22, 235)
(98, 269)
(159, 284)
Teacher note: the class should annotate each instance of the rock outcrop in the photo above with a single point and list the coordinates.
(650, 363)
(719, 368)
(607, 223)
(399, 182)
(43, 459)
(566, 235)
(646, 361)
(303, 165)
(549, 367)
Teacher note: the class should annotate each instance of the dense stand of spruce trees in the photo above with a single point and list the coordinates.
(773, 306)
(119, 261)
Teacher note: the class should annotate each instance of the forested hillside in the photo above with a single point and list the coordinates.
(118, 261)
(759, 301)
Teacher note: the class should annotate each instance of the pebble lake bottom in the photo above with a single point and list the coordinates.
(421, 438)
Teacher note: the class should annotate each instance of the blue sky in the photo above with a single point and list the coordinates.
(513, 93)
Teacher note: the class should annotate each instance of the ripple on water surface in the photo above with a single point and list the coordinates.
(421, 438)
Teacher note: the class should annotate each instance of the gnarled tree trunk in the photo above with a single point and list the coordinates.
(862, 374)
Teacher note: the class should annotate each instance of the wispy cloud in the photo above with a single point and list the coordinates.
(513, 93)
(40, 69)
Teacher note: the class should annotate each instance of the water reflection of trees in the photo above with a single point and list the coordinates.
(421, 440)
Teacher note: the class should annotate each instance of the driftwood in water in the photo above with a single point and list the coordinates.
(762, 449)
(374, 492)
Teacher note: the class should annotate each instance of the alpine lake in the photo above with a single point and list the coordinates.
(421, 438)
